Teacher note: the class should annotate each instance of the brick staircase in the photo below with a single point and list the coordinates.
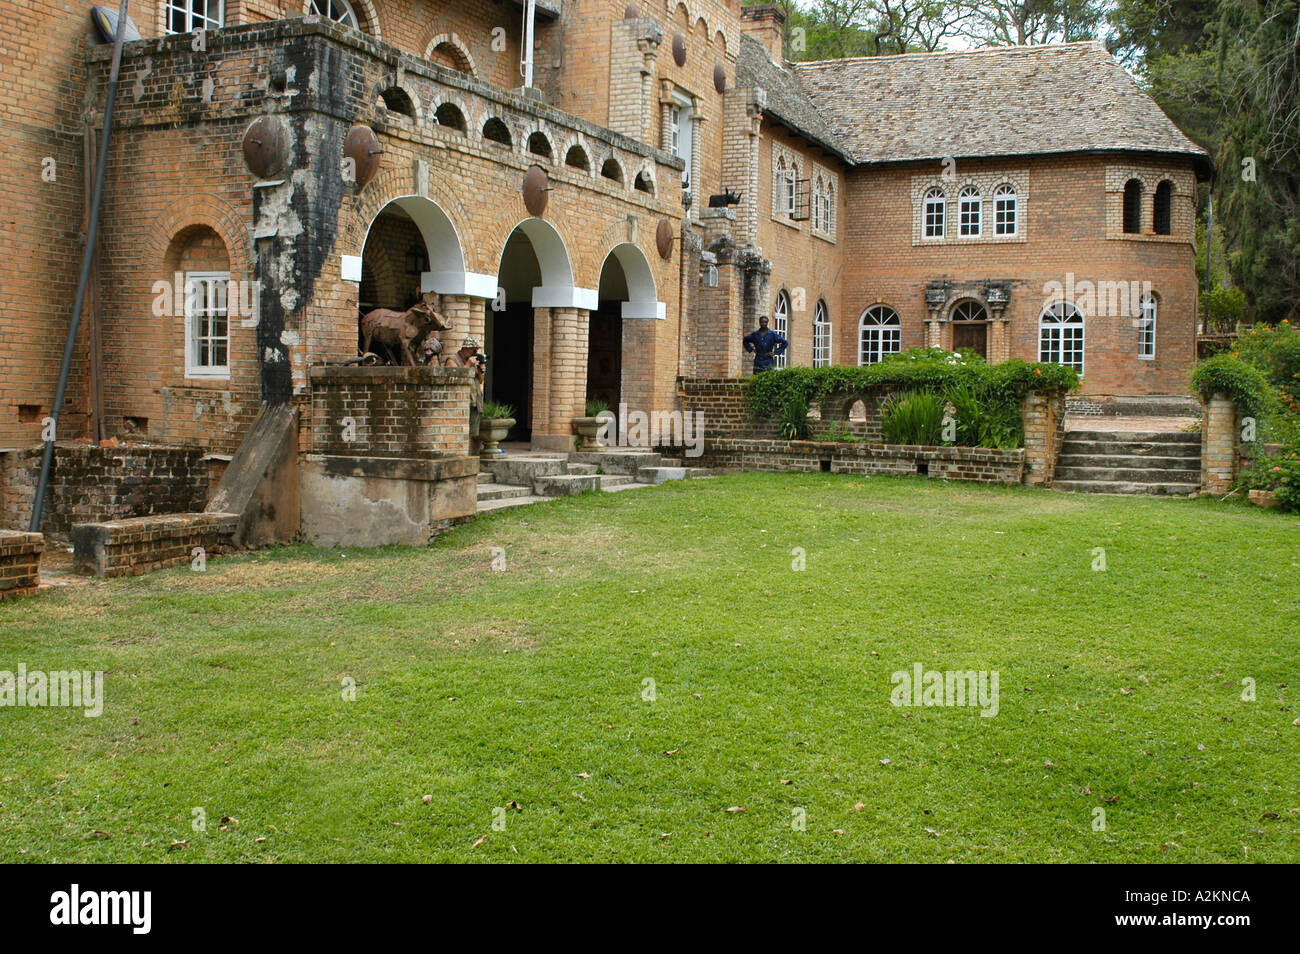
(514, 480)
(1130, 462)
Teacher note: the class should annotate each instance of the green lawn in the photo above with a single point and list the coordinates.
(481, 690)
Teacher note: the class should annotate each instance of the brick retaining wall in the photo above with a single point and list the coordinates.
(92, 483)
(20, 563)
(980, 464)
(144, 544)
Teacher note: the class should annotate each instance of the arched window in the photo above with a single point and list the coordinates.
(969, 206)
(397, 100)
(495, 130)
(1133, 206)
(934, 214)
(781, 325)
(576, 157)
(1060, 335)
(643, 182)
(969, 311)
(784, 187)
(1004, 210)
(1162, 208)
(612, 170)
(817, 204)
(879, 333)
(539, 145)
(821, 336)
(449, 115)
(340, 11)
(1147, 328)
(828, 209)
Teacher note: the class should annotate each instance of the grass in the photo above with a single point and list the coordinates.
(481, 690)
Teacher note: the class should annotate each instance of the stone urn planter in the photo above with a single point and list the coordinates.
(492, 431)
(588, 428)
(1263, 498)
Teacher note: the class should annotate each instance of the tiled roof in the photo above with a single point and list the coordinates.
(1024, 100)
(786, 99)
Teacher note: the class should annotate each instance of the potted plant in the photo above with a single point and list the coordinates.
(588, 427)
(495, 422)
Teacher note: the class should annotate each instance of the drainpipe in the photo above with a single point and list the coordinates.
(526, 66)
(87, 258)
(1209, 249)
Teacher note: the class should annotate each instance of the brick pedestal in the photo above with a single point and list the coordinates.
(1219, 456)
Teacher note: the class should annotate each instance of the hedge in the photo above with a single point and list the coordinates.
(919, 369)
(1234, 378)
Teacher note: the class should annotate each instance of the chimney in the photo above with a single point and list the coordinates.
(766, 23)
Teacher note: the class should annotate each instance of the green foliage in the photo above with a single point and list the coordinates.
(1225, 307)
(1244, 383)
(838, 433)
(595, 406)
(992, 392)
(1279, 473)
(913, 417)
(1275, 350)
(794, 418)
(493, 409)
(985, 420)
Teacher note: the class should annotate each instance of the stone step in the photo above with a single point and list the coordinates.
(487, 506)
(1163, 437)
(658, 475)
(1126, 487)
(1139, 475)
(610, 481)
(621, 461)
(521, 470)
(1130, 448)
(1186, 462)
(562, 485)
(486, 477)
(671, 462)
(501, 492)
(697, 472)
(573, 468)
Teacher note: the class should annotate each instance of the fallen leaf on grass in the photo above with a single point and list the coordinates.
(177, 844)
(736, 808)
(477, 843)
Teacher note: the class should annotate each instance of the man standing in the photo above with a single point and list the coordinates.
(469, 356)
(765, 345)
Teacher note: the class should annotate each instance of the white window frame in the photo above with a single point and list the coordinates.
(193, 369)
(935, 200)
(879, 327)
(194, 21)
(817, 203)
(681, 124)
(821, 336)
(970, 212)
(781, 325)
(1061, 335)
(1005, 210)
(1150, 309)
(348, 16)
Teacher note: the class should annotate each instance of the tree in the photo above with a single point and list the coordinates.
(1024, 22)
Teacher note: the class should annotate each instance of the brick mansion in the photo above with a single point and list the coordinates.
(688, 180)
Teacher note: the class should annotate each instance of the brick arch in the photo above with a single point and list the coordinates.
(393, 184)
(204, 209)
(383, 86)
(453, 40)
(364, 9)
(957, 299)
(491, 241)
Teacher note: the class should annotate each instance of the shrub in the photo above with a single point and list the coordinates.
(913, 417)
(493, 409)
(794, 418)
(1225, 307)
(1244, 383)
(837, 433)
(921, 368)
(1279, 473)
(595, 406)
(1274, 350)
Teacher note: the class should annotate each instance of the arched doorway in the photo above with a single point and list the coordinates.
(970, 327)
(534, 274)
(411, 247)
(626, 291)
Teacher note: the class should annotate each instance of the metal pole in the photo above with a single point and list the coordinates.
(530, 16)
(87, 257)
(1209, 250)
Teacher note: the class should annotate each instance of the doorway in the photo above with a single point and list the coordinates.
(971, 336)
